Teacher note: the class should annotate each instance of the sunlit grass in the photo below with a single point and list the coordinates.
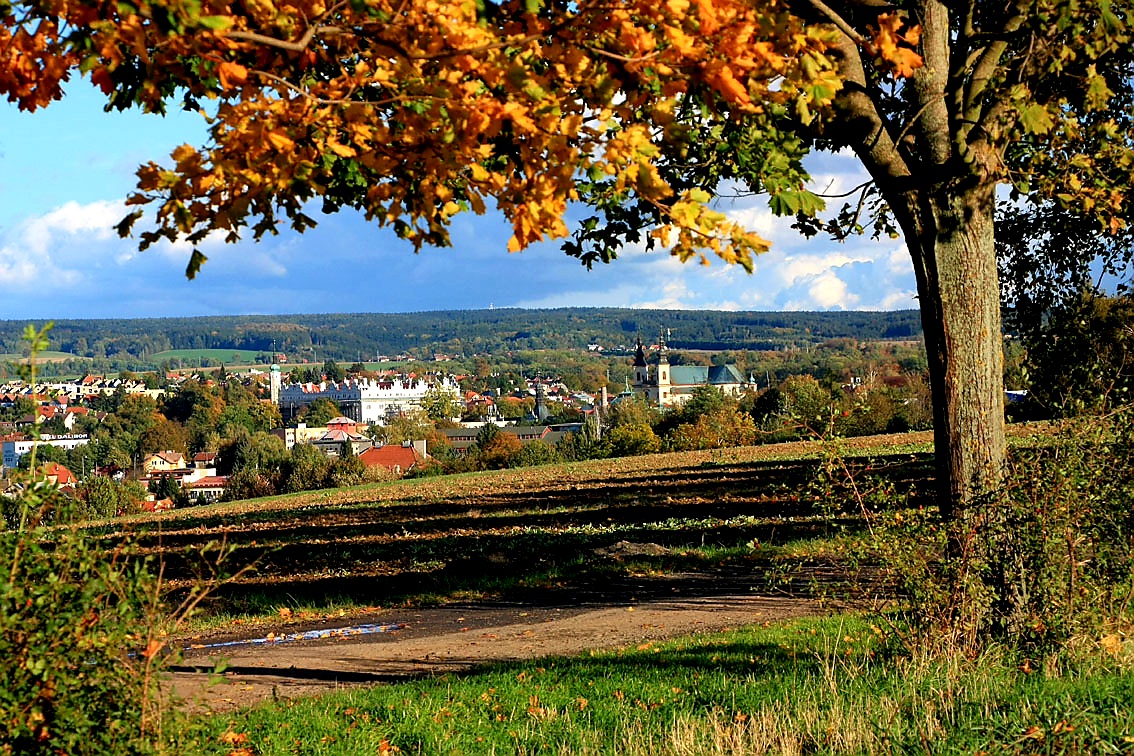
(835, 685)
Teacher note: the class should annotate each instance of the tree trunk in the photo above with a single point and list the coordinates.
(949, 232)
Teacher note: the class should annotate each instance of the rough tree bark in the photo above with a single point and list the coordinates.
(952, 245)
(941, 189)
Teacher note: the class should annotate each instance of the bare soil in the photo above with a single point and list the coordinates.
(458, 638)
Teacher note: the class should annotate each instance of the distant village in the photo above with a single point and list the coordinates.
(62, 416)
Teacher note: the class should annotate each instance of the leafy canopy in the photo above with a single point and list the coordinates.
(413, 112)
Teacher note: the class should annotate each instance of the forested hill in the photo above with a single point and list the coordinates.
(463, 332)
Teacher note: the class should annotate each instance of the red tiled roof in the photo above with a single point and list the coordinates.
(391, 457)
(62, 475)
(210, 481)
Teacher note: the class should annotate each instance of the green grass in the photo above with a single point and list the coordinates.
(820, 686)
(227, 356)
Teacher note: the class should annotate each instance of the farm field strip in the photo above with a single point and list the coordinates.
(756, 511)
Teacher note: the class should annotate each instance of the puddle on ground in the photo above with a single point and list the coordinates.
(272, 639)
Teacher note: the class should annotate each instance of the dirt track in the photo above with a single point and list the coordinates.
(457, 638)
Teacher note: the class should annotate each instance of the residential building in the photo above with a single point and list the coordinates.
(16, 445)
(164, 461)
(208, 488)
(460, 439)
(397, 459)
(58, 474)
(300, 434)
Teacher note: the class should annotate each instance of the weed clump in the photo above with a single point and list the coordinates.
(1045, 559)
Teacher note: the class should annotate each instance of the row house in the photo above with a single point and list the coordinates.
(366, 400)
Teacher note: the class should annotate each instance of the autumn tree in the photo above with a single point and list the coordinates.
(414, 112)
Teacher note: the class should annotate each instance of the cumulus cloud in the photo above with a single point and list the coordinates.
(45, 250)
(68, 262)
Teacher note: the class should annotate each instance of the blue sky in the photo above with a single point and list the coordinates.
(65, 170)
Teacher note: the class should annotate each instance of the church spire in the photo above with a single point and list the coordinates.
(640, 355)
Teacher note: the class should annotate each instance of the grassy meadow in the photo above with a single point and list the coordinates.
(42, 357)
(837, 685)
(191, 356)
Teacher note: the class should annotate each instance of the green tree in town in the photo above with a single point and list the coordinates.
(305, 469)
(319, 412)
(441, 405)
(332, 371)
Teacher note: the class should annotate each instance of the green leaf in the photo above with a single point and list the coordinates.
(215, 23)
(196, 260)
(1035, 119)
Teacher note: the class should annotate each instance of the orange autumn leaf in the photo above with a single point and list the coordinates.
(231, 74)
(895, 48)
(231, 737)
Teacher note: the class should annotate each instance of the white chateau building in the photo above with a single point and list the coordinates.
(364, 400)
(672, 385)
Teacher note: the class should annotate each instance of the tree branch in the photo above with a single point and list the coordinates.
(840, 23)
(973, 111)
(930, 81)
(862, 126)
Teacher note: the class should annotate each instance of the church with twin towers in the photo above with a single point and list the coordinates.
(667, 385)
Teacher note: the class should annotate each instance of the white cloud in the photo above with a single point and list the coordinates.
(47, 250)
(828, 291)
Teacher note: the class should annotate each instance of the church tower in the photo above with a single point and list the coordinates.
(641, 369)
(276, 380)
(665, 382)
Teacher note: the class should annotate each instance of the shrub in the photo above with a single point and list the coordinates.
(79, 635)
(722, 427)
(247, 484)
(630, 439)
(537, 452)
(500, 451)
(101, 497)
(347, 470)
(1046, 558)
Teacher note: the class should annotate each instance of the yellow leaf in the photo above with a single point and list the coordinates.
(281, 141)
(514, 244)
(341, 150)
(183, 153)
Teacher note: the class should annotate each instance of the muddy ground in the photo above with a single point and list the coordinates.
(457, 638)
